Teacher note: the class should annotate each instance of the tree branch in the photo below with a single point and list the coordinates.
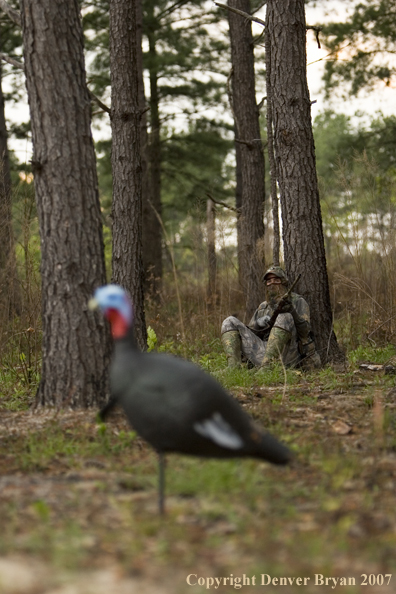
(261, 103)
(13, 14)
(260, 6)
(21, 66)
(317, 31)
(12, 61)
(251, 143)
(98, 101)
(260, 21)
(220, 203)
(257, 40)
(241, 13)
(171, 8)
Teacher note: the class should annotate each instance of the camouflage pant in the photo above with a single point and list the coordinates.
(254, 348)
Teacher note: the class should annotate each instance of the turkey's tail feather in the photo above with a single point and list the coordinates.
(273, 450)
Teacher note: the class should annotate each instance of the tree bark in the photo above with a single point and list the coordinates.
(152, 231)
(150, 224)
(126, 158)
(271, 153)
(211, 242)
(251, 154)
(238, 185)
(75, 340)
(238, 206)
(295, 159)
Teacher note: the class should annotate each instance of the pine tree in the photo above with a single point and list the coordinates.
(295, 154)
(127, 265)
(368, 36)
(250, 157)
(180, 59)
(75, 342)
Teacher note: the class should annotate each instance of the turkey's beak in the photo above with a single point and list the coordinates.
(93, 304)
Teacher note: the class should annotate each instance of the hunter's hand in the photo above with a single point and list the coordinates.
(286, 306)
(263, 321)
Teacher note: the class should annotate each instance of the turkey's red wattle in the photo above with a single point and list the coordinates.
(119, 327)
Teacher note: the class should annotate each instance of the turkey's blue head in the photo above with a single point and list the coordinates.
(116, 306)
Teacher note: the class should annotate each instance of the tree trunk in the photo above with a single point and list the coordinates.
(295, 159)
(75, 340)
(238, 206)
(152, 231)
(10, 294)
(126, 158)
(211, 242)
(238, 185)
(271, 153)
(251, 154)
(151, 285)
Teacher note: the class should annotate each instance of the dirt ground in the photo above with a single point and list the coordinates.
(78, 504)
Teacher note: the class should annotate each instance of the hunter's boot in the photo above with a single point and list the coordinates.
(311, 358)
(277, 341)
(232, 346)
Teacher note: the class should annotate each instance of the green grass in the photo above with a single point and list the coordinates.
(16, 393)
(69, 446)
(376, 355)
(84, 495)
(218, 511)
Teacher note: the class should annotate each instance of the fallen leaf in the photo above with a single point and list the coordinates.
(341, 428)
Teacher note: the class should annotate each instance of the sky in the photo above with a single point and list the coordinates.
(384, 99)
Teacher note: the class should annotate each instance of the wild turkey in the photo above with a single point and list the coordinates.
(172, 403)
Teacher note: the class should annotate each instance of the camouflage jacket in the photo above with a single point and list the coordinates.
(299, 330)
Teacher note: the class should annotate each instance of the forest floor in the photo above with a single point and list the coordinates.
(78, 500)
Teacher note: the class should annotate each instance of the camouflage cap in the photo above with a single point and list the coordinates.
(277, 271)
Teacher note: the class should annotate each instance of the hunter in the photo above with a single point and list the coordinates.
(290, 336)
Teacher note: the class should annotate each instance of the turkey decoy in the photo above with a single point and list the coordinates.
(172, 403)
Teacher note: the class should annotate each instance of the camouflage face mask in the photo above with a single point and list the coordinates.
(274, 293)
